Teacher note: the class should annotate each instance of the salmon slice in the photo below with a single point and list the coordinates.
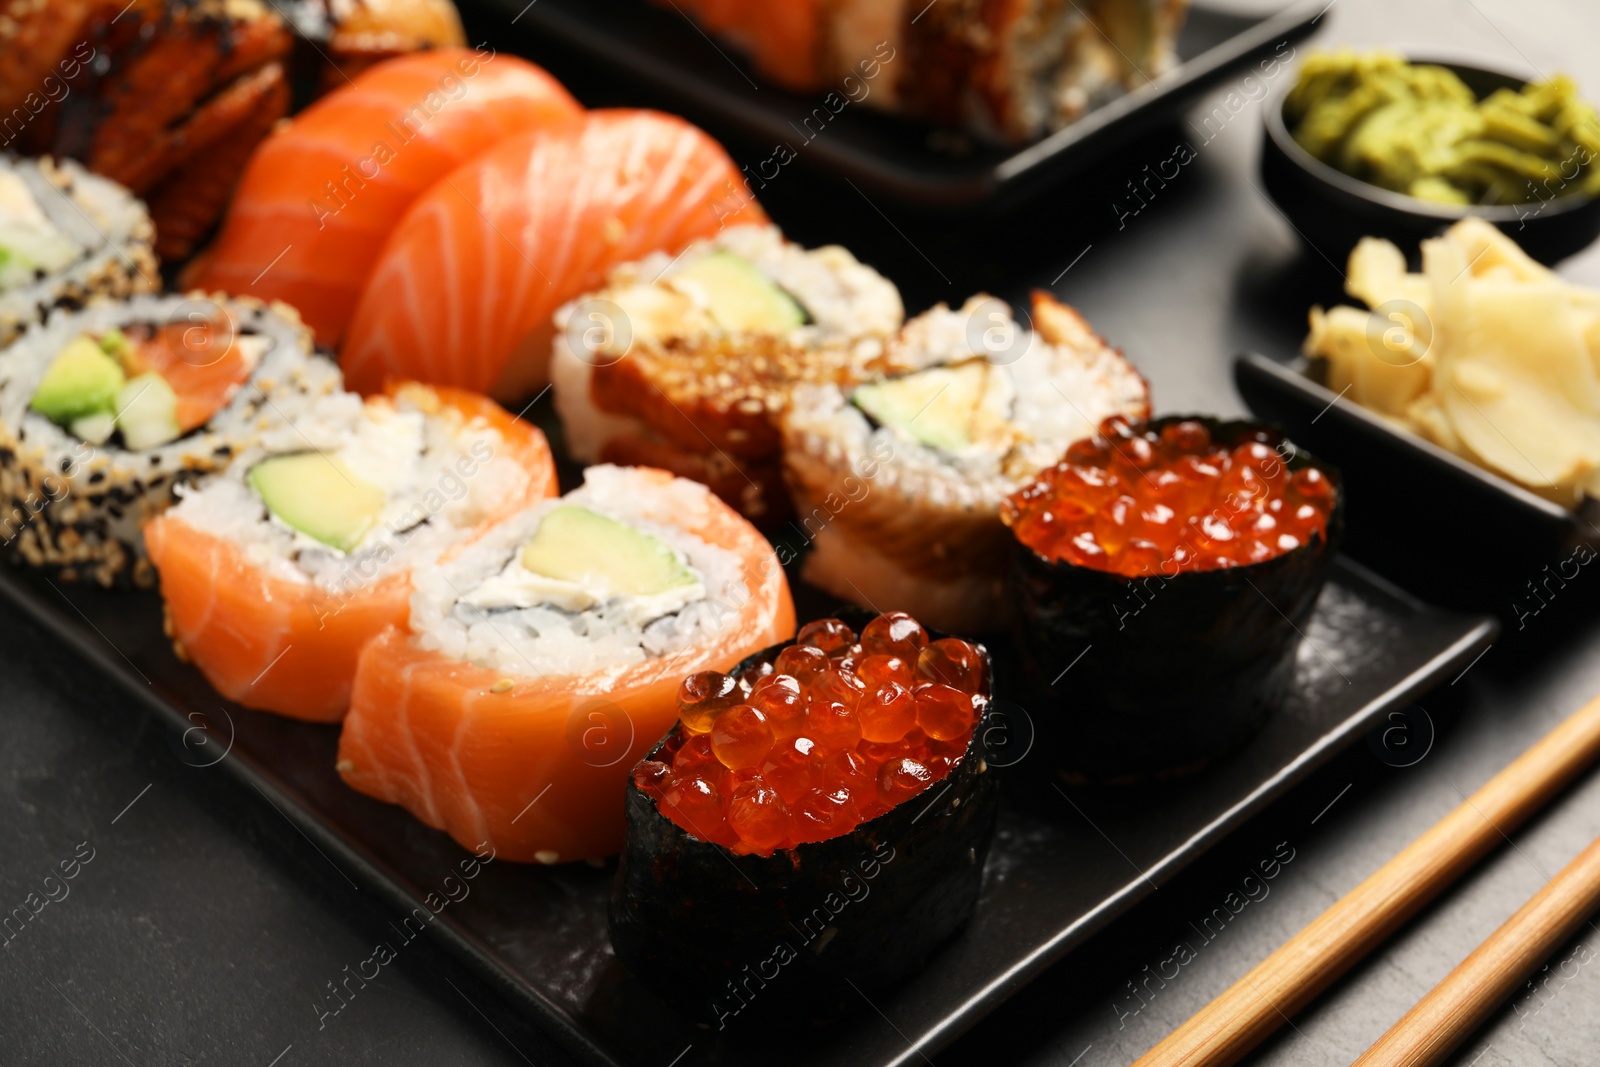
(321, 195)
(537, 771)
(290, 647)
(464, 291)
(201, 360)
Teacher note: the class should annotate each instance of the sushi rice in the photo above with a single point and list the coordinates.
(905, 510)
(485, 608)
(76, 508)
(66, 236)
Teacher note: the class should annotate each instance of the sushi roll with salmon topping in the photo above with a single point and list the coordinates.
(686, 362)
(542, 661)
(106, 412)
(65, 236)
(277, 572)
(898, 481)
(825, 808)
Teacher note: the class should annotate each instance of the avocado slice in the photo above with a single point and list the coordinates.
(739, 297)
(82, 380)
(611, 558)
(319, 496)
(947, 408)
(147, 412)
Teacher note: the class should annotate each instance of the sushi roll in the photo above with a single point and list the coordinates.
(278, 571)
(541, 662)
(1173, 566)
(823, 810)
(107, 411)
(1007, 72)
(65, 236)
(686, 363)
(898, 481)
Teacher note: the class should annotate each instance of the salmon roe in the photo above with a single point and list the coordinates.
(836, 731)
(1136, 502)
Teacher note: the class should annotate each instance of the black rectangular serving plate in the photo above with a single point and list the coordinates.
(915, 163)
(1053, 876)
(1403, 491)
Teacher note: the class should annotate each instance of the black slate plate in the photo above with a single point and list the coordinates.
(709, 82)
(1057, 872)
(1403, 490)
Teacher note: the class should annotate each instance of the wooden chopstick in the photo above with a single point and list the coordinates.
(1455, 1007)
(1283, 983)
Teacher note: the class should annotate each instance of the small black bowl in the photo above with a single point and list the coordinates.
(1332, 210)
(1135, 679)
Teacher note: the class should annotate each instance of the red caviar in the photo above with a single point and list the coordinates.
(1136, 502)
(843, 728)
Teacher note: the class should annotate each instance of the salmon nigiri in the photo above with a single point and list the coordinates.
(464, 291)
(276, 573)
(544, 660)
(321, 195)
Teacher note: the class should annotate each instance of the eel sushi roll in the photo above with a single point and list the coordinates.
(686, 363)
(106, 412)
(1174, 567)
(65, 236)
(823, 811)
(898, 481)
(277, 572)
(543, 660)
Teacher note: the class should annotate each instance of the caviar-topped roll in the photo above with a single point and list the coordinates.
(65, 236)
(686, 362)
(899, 478)
(1172, 567)
(827, 802)
(106, 412)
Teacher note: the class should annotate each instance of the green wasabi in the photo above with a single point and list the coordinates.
(1419, 130)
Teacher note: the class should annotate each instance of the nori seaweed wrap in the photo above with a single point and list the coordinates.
(718, 931)
(1154, 674)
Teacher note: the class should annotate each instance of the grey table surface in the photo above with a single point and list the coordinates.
(200, 927)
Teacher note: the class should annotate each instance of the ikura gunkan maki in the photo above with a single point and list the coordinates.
(106, 412)
(821, 813)
(1170, 567)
